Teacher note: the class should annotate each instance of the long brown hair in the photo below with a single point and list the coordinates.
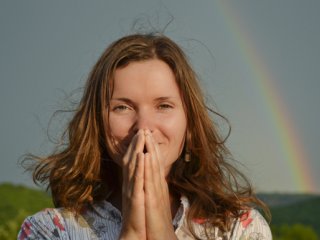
(79, 173)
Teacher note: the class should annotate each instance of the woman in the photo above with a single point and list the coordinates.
(143, 159)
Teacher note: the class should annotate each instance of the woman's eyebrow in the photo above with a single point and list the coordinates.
(156, 99)
(122, 99)
(164, 98)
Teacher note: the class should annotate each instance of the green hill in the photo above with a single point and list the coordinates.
(15, 198)
(290, 209)
(294, 216)
(285, 199)
(17, 202)
(305, 212)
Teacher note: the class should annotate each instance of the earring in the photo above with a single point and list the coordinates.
(187, 157)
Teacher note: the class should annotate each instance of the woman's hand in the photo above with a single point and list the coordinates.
(133, 203)
(145, 196)
(156, 193)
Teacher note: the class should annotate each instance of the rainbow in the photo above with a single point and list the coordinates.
(294, 153)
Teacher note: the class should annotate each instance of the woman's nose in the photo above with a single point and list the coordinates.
(144, 120)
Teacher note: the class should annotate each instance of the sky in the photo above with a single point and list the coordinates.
(258, 63)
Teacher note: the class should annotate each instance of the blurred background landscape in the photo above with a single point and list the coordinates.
(258, 63)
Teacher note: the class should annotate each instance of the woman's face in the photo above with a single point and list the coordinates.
(146, 96)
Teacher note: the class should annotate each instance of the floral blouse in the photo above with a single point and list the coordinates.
(103, 222)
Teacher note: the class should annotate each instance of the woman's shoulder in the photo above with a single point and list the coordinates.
(47, 224)
(251, 225)
(60, 223)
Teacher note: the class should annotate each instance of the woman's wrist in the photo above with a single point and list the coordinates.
(129, 235)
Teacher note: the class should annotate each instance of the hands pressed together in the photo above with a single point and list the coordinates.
(145, 196)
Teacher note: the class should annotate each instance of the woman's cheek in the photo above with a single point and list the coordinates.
(119, 128)
(175, 128)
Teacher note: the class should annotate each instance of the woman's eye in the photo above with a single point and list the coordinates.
(120, 108)
(165, 106)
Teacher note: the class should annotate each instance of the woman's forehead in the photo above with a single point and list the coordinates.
(151, 77)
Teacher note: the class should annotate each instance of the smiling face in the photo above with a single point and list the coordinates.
(146, 96)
